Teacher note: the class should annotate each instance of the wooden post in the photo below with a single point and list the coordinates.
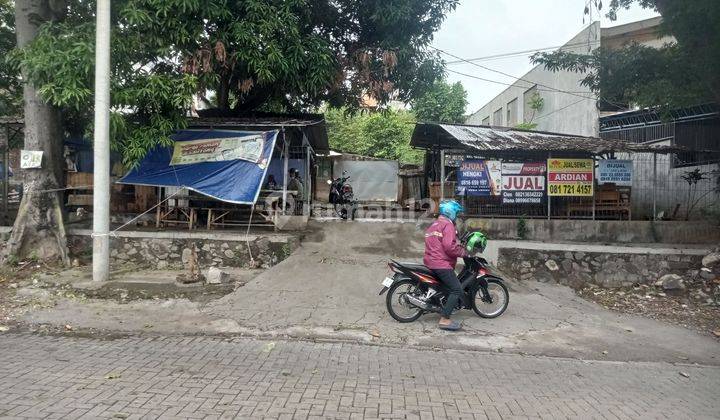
(593, 188)
(158, 211)
(308, 180)
(547, 182)
(654, 192)
(442, 174)
(286, 150)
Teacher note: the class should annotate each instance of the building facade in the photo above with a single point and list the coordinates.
(567, 106)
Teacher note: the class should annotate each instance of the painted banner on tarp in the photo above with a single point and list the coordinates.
(570, 177)
(477, 177)
(217, 150)
(618, 172)
(523, 183)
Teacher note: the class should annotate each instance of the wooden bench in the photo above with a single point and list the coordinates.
(606, 201)
(174, 215)
(236, 216)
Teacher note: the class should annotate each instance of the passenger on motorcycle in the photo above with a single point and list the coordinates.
(442, 250)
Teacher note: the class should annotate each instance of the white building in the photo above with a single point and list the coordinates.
(568, 107)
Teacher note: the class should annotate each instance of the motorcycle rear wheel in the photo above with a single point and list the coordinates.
(501, 298)
(395, 296)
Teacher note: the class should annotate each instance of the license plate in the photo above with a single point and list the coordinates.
(388, 282)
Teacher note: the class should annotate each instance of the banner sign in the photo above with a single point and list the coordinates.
(31, 159)
(618, 172)
(523, 183)
(217, 150)
(477, 177)
(570, 177)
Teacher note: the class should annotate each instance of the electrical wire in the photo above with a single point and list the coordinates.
(510, 75)
(549, 88)
(521, 53)
(502, 83)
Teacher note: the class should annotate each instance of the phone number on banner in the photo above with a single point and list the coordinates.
(570, 189)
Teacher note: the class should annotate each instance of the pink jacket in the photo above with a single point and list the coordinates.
(441, 246)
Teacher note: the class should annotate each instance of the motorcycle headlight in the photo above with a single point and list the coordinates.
(329, 181)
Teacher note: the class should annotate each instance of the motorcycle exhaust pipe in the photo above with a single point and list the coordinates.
(421, 304)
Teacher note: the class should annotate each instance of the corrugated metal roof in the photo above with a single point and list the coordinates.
(487, 138)
(502, 139)
(312, 125)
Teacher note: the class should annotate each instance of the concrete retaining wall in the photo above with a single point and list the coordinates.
(606, 269)
(163, 250)
(601, 231)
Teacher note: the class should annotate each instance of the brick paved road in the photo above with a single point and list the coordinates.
(200, 377)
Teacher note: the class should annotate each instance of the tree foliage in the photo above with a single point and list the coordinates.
(378, 134)
(10, 89)
(443, 102)
(249, 54)
(675, 75)
(536, 103)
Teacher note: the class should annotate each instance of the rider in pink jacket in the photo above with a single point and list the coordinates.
(441, 253)
(441, 246)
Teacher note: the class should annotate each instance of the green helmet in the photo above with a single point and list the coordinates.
(476, 240)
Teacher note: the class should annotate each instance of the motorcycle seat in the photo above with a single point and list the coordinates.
(420, 268)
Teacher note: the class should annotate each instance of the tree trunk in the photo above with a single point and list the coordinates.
(39, 228)
(223, 92)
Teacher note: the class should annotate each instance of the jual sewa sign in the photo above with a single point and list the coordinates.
(523, 183)
(570, 177)
(217, 150)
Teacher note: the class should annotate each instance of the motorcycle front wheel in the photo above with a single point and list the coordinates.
(399, 308)
(496, 305)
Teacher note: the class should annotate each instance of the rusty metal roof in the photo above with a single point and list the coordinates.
(311, 125)
(504, 139)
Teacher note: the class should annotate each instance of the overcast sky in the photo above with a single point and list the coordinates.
(481, 28)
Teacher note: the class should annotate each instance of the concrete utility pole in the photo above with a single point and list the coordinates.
(101, 146)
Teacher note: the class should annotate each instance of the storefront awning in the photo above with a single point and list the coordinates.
(227, 165)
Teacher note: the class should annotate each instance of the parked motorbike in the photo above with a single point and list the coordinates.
(414, 290)
(342, 198)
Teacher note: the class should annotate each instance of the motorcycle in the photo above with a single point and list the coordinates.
(342, 198)
(414, 290)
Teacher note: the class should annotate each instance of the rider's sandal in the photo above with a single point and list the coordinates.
(453, 326)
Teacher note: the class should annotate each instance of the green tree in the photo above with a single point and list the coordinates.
(378, 134)
(10, 88)
(248, 54)
(536, 103)
(39, 229)
(675, 75)
(443, 102)
(291, 54)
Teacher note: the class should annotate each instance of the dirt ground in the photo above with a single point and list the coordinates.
(691, 308)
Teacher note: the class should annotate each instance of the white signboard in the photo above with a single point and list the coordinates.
(618, 172)
(523, 183)
(30, 159)
(217, 150)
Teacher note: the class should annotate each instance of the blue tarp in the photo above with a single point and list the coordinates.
(234, 181)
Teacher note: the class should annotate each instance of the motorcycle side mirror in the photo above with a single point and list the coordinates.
(329, 181)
